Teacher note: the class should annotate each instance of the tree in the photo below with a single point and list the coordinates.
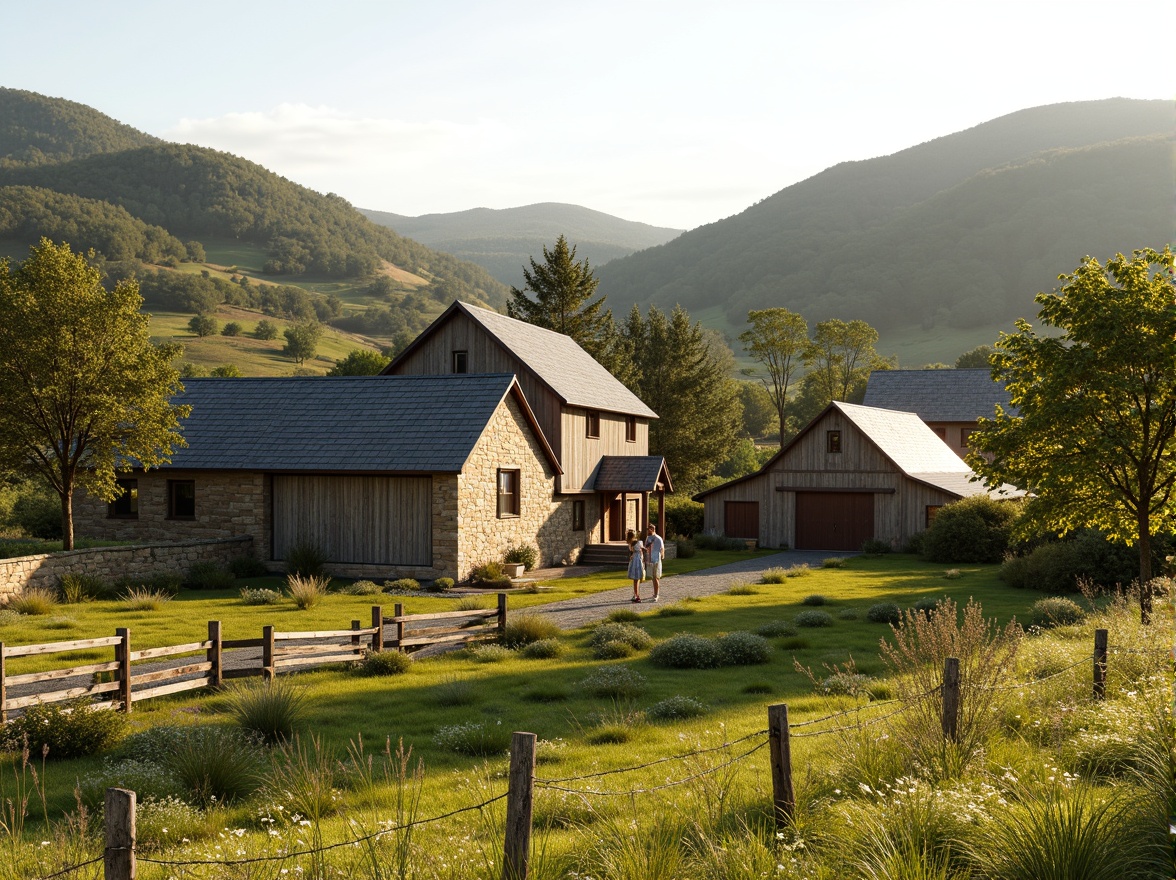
(778, 339)
(360, 362)
(231, 329)
(759, 412)
(841, 357)
(265, 330)
(977, 357)
(1092, 437)
(86, 394)
(302, 340)
(204, 325)
(687, 382)
(226, 371)
(563, 289)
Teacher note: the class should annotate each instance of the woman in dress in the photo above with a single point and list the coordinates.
(636, 562)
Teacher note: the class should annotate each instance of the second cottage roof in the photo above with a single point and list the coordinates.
(938, 395)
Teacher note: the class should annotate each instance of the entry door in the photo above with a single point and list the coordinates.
(834, 520)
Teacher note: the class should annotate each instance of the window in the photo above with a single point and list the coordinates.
(508, 493)
(577, 516)
(461, 362)
(181, 499)
(126, 505)
(631, 429)
(932, 510)
(832, 441)
(965, 433)
(592, 424)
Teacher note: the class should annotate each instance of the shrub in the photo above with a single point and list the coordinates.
(209, 576)
(543, 649)
(260, 596)
(813, 619)
(616, 682)
(1055, 611)
(774, 628)
(166, 581)
(305, 559)
(684, 517)
(441, 585)
(214, 764)
(33, 600)
(845, 683)
(622, 615)
(973, 529)
(247, 566)
(361, 588)
(306, 591)
(489, 653)
(927, 604)
(675, 708)
(613, 650)
(471, 603)
(687, 651)
(833, 562)
(1057, 566)
(884, 612)
(773, 576)
(719, 542)
(742, 590)
(524, 553)
(743, 649)
(915, 544)
(68, 730)
(815, 599)
(74, 588)
(848, 614)
(145, 599)
(409, 585)
(385, 663)
(271, 709)
(489, 574)
(686, 549)
(875, 547)
(527, 628)
(796, 571)
(633, 636)
(232, 328)
(479, 739)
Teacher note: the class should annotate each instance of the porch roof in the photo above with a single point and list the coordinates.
(632, 473)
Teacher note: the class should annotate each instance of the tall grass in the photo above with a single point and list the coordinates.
(307, 591)
(271, 709)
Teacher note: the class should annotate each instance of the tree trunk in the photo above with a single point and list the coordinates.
(67, 529)
(1145, 568)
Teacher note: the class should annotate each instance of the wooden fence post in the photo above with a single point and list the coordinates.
(3, 687)
(267, 653)
(516, 857)
(378, 624)
(119, 861)
(216, 675)
(398, 611)
(122, 653)
(780, 749)
(951, 697)
(1100, 664)
(501, 615)
(355, 638)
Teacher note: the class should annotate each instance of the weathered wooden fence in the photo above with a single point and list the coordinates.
(122, 685)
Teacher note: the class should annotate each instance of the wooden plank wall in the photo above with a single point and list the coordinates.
(581, 454)
(360, 519)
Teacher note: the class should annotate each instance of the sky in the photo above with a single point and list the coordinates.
(675, 114)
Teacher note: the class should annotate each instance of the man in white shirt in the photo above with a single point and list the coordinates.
(656, 549)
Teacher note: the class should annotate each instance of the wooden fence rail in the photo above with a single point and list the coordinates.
(278, 651)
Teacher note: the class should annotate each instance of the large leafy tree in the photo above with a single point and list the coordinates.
(685, 377)
(558, 295)
(841, 356)
(1093, 432)
(778, 339)
(84, 392)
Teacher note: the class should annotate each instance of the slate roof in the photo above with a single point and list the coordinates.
(631, 473)
(385, 424)
(575, 376)
(938, 395)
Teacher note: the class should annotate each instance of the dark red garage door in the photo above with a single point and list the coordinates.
(834, 520)
(741, 519)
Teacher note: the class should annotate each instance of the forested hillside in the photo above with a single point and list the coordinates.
(35, 129)
(502, 241)
(959, 230)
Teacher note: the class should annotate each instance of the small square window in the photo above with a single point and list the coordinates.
(508, 493)
(631, 429)
(461, 362)
(577, 516)
(181, 499)
(126, 505)
(832, 441)
(592, 424)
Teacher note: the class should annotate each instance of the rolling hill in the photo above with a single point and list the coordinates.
(946, 238)
(502, 241)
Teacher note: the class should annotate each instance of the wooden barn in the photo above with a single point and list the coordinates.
(855, 473)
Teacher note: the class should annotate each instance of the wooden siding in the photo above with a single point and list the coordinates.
(356, 519)
(580, 456)
(434, 357)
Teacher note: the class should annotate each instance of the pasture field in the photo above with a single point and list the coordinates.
(698, 802)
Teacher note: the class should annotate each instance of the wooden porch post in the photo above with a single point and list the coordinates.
(661, 510)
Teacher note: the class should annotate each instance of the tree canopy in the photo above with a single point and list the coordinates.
(360, 362)
(85, 392)
(1092, 435)
(778, 339)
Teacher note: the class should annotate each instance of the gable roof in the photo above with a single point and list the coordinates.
(557, 360)
(938, 395)
(632, 473)
(904, 439)
(341, 424)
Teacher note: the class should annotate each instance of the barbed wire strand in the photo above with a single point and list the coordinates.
(72, 868)
(1028, 684)
(869, 723)
(841, 713)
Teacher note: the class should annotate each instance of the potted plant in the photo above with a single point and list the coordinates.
(518, 559)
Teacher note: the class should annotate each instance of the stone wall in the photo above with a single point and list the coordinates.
(117, 563)
(544, 520)
(227, 503)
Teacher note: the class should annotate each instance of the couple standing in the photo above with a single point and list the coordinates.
(652, 547)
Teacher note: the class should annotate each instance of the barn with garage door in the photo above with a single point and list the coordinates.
(855, 473)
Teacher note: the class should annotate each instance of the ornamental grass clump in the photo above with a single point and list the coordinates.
(306, 559)
(489, 653)
(527, 628)
(543, 649)
(145, 599)
(633, 636)
(271, 709)
(361, 588)
(410, 585)
(774, 576)
(214, 764)
(615, 682)
(385, 663)
(1055, 611)
(687, 651)
(306, 591)
(34, 601)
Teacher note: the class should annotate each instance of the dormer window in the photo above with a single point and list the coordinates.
(461, 362)
(592, 424)
(832, 441)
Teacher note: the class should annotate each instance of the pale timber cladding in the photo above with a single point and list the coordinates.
(892, 459)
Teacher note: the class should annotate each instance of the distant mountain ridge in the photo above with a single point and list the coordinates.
(960, 230)
(503, 240)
